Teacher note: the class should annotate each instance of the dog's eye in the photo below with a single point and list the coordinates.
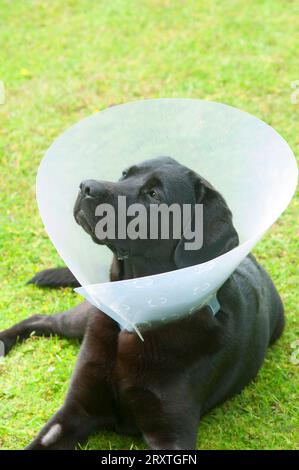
(153, 194)
(124, 173)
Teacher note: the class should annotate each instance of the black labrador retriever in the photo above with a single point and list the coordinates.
(159, 388)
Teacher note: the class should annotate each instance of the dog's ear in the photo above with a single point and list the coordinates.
(219, 234)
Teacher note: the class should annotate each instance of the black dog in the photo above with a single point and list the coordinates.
(159, 388)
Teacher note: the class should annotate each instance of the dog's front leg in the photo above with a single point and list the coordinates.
(89, 403)
(168, 417)
(68, 427)
(159, 399)
(172, 421)
(69, 324)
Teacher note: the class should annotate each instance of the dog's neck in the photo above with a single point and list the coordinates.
(138, 266)
(128, 266)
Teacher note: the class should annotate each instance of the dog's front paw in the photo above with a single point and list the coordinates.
(2, 348)
(65, 430)
(6, 344)
(48, 439)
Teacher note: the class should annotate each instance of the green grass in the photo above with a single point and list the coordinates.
(61, 61)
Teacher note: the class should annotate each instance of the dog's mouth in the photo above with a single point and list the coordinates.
(82, 220)
(83, 214)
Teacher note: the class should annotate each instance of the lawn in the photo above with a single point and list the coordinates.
(62, 61)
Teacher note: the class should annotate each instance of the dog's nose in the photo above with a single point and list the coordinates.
(92, 188)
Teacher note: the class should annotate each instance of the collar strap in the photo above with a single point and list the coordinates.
(213, 304)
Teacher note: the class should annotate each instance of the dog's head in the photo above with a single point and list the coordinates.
(150, 184)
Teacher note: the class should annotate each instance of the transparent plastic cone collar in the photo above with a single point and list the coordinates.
(245, 159)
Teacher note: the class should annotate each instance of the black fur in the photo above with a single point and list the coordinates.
(54, 278)
(159, 388)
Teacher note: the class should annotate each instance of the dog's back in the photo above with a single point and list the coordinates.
(253, 314)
